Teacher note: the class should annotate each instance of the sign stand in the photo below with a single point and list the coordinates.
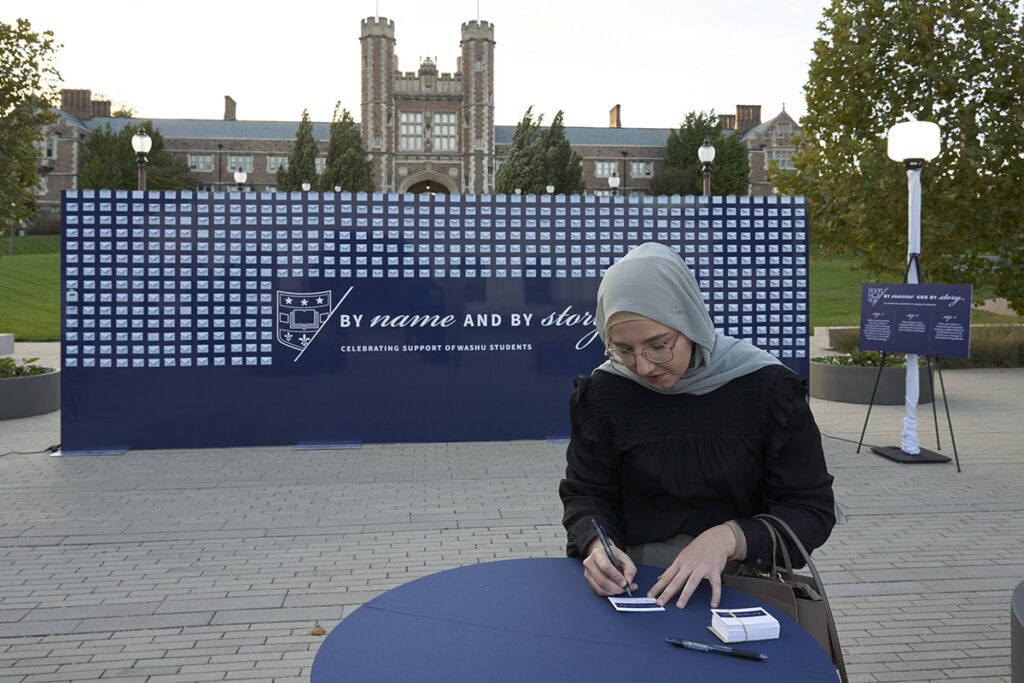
(896, 453)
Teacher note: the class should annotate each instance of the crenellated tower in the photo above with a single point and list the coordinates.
(377, 110)
(477, 67)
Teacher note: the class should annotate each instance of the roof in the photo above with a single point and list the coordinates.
(216, 129)
(758, 129)
(613, 137)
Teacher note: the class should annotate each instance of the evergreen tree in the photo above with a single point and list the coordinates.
(301, 166)
(682, 172)
(959, 65)
(540, 157)
(346, 165)
(28, 95)
(109, 162)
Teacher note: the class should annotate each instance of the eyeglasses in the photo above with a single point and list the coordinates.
(656, 353)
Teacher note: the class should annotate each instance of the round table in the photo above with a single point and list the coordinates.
(538, 620)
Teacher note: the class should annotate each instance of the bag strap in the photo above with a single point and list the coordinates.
(781, 526)
(779, 547)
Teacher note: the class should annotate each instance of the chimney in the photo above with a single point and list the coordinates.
(747, 116)
(727, 121)
(77, 103)
(229, 108)
(614, 117)
(101, 108)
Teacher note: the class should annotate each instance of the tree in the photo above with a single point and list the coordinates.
(28, 96)
(540, 157)
(960, 65)
(301, 166)
(682, 172)
(346, 165)
(110, 163)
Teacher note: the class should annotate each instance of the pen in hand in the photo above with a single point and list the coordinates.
(611, 555)
(721, 649)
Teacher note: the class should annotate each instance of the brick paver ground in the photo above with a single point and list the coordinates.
(208, 565)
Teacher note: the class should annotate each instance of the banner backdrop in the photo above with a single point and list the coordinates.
(224, 319)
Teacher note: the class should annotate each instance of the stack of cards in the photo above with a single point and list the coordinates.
(738, 625)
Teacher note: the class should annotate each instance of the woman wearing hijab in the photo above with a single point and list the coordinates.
(681, 438)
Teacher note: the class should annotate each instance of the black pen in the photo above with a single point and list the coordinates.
(611, 555)
(721, 649)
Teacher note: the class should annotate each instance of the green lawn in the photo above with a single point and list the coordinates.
(30, 296)
(30, 291)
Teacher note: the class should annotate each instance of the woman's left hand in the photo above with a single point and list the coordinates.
(703, 558)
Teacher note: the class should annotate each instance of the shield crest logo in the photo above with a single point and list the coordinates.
(300, 315)
(875, 294)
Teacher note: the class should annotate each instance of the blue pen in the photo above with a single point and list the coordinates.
(611, 555)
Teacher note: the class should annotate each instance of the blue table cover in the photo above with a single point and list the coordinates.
(539, 620)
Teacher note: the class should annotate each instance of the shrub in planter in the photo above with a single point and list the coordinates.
(851, 378)
(27, 389)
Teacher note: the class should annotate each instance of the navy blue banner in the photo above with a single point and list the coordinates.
(212, 319)
(929, 320)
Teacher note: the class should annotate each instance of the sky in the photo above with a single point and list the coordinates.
(659, 59)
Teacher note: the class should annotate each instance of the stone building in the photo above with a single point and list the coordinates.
(425, 131)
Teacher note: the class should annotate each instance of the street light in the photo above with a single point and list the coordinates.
(305, 187)
(913, 143)
(550, 189)
(613, 182)
(706, 154)
(240, 178)
(142, 143)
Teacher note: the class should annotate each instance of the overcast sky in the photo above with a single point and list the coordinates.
(659, 59)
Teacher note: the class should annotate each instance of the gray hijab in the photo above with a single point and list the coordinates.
(654, 281)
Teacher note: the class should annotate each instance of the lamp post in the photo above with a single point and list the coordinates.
(240, 178)
(913, 143)
(613, 182)
(550, 189)
(305, 187)
(706, 154)
(142, 143)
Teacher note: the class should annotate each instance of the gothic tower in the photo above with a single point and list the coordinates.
(478, 106)
(377, 110)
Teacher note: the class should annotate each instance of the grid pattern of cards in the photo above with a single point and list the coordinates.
(184, 279)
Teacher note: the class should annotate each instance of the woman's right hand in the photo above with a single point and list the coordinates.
(604, 578)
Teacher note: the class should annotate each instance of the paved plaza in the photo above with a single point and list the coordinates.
(215, 564)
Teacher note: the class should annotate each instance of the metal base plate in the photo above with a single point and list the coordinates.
(896, 454)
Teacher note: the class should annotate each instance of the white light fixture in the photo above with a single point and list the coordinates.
(337, 188)
(519, 190)
(913, 140)
(550, 189)
(305, 187)
(141, 142)
(240, 177)
(613, 181)
(706, 152)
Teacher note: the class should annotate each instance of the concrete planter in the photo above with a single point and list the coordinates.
(853, 384)
(27, 396)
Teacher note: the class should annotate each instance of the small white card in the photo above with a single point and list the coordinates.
(635, 604)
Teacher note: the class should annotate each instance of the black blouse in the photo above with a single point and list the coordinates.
(650, 466)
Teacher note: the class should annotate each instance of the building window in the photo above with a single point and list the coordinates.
(318, 164)
(444, 132)
(479, 65)
(243, 161)
(276, 161)
(46, 148)
(200, 163)
(376, 141)
(602, 193)
(410, 131)
(604, 169)
(641, 169)
(479, 143)
(782, 157)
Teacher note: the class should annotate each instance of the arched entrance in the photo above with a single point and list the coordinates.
(428, 182)
(429, 186)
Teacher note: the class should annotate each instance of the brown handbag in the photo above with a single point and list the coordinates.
(801, 598)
